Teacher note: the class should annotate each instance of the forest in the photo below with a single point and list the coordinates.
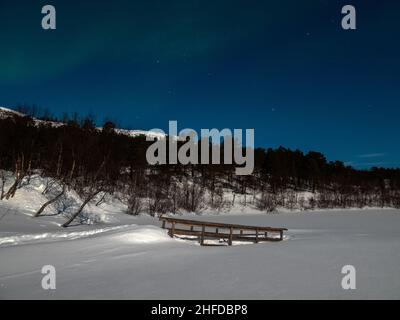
(99, 162)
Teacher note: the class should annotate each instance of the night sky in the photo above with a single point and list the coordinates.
(285, 68)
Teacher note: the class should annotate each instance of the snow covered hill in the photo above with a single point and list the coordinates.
(8, 113)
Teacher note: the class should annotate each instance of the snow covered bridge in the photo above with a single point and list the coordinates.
(227, 232)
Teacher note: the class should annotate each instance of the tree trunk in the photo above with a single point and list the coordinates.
(3, 182)
(102, 199)
(51, 201)
(59, 161)
(87, 200)
(19, 167)
(11, 192)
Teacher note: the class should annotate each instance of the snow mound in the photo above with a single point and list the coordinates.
(54, 236)
(143, 235)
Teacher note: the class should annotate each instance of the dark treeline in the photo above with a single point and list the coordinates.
(99, 162)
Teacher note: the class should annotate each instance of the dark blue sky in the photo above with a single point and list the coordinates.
(285, 68)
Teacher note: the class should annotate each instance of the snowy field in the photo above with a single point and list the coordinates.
(128, 257)
(142, 262)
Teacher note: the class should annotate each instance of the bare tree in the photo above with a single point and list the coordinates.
(94, 188)
(19, 175)
(45, 205)
(63, 182)
(3, 182)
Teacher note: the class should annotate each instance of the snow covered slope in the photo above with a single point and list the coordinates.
(7, 113)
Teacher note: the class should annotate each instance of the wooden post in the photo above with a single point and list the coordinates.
(202, 235)
(256, 235)
(230, 236)
(171, 234)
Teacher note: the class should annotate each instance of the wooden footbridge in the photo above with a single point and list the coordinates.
(228, 232)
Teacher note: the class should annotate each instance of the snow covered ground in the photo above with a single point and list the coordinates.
(125, 257)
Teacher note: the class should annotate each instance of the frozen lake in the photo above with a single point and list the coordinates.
(137, 260)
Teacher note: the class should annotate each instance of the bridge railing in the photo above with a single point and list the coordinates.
(215, 230)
